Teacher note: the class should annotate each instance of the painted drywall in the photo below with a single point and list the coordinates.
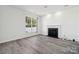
(40, 24)
(12, 23)
(69, 21)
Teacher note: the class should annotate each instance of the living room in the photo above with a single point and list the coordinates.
(37, 26)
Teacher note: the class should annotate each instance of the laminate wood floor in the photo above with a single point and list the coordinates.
(39, 44)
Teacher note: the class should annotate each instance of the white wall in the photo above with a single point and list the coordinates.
(40, 24)
(69, 21)
(12, 23)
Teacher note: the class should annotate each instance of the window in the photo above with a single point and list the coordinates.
(31, 24)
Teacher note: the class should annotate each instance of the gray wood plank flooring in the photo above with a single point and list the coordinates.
(39, 44)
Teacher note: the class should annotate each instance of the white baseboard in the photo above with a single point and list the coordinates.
(8, 40)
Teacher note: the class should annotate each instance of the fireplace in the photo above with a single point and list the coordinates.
(53, 32)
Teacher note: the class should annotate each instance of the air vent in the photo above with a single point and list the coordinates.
(45, 6)
(66, 5)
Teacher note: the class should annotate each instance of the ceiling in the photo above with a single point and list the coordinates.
(44, 9)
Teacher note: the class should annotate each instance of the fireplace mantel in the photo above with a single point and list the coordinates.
(56, 26)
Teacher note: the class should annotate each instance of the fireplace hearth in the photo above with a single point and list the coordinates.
(53, 32)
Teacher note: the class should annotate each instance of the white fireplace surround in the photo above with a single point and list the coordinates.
(55, 26)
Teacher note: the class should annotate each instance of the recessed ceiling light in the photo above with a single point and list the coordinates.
(58, 13)
(48, 15)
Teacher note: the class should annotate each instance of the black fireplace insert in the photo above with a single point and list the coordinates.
(53, 32)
